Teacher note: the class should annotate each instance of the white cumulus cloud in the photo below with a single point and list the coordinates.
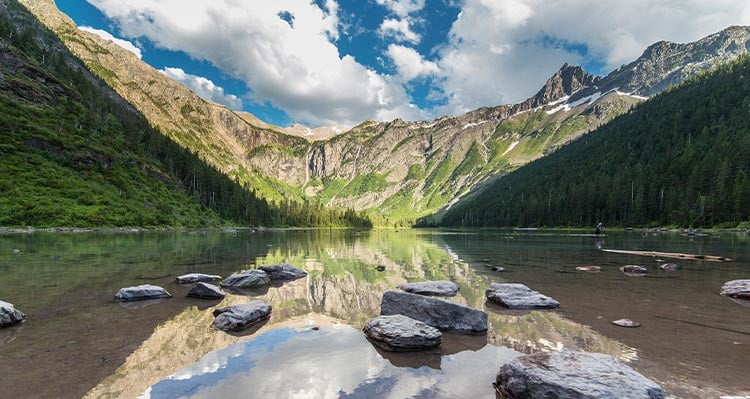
(402, 8)
(399, 29)
(410, 63)
(204, 88)
(298, 69)
(108, 36)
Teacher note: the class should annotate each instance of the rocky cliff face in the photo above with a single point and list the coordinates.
(401, 170)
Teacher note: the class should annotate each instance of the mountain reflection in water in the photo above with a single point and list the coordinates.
(333, 362)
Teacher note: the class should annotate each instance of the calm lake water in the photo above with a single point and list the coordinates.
(78, 342)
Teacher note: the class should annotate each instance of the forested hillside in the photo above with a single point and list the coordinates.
(682, 158)
(73, 153)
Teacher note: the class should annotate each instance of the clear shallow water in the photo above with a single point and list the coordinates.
(78, 342)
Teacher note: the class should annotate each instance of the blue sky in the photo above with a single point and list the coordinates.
(329, 62)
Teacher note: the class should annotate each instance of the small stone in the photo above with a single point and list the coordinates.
(401, 333)
(141, 293)
(196, 277)
(518, 296)
(626, 323)
(669, 267)
(589, 269)
(634, 270)
(436, 288)
(283, 272)
(738, 289)
(206, 291)
(247, 279)
(380, 268)
(240, 317)
(9, 315)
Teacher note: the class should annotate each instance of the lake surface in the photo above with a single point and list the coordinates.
(78, 342)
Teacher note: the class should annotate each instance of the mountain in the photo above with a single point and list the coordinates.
(680, 158)
(395, 170)
(76, 154)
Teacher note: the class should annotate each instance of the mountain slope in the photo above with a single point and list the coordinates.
(682, 158)
(75, 154)
(395, 170)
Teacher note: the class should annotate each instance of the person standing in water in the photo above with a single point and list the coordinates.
(599, 228)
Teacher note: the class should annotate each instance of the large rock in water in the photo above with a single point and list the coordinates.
(739, 289)
(9, 315)
(436, 288)
(399, 333)
(283, 272)
(518, 296)
(573, 375)
(196, 278)
(206, 291)
(141, 293)
(247, 279)
(240, 317)
(439, 313)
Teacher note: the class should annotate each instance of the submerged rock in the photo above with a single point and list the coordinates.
(589, 269)
(240, 317)
(634, 270)
(626, 323)
(569, 375)
(436, 288)
(398, 333)
(206, 291)
(518, 296)
(196, 277)
(738, 289)
(669, 267)
(9, 315)
(141, 293)
(283, 272)
(247, 279)
(438, 313)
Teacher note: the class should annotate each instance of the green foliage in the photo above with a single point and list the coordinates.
(681, 158)
(364, 183)
(416, 172)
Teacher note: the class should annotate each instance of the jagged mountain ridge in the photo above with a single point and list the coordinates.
(399, 169)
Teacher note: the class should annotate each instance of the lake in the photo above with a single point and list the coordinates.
(78, 342)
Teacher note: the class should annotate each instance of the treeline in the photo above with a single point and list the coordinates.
(681, 158)
(76, 154)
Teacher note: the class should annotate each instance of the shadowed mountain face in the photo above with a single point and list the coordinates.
(399, 170)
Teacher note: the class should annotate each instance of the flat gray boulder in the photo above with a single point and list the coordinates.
(141, 293)
(206, 291)
(196, 278)
(247, 279)
(438, 313)
(399, 333)
(634, 270)
(573, 375)
(283, 272)
(738, 289)
(240, 317)
(518, 296)
(9, 315)
(436, 288)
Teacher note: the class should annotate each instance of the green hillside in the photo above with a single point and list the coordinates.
(682, 159)
(73, 153)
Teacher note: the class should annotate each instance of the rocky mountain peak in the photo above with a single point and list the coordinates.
(566, 81)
